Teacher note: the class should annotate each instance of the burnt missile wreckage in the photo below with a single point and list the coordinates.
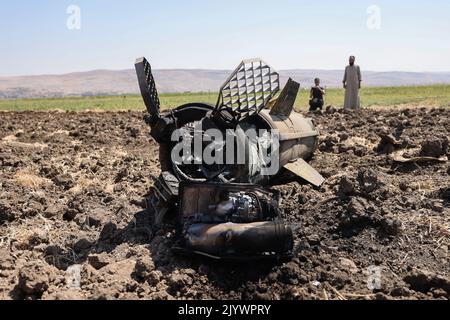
(218, 163)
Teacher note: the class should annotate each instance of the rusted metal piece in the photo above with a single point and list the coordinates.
(298, 135)
(302, 169)
(206, 202)
(240, 238)
(162, 195)
(284, 104)
(232, 219)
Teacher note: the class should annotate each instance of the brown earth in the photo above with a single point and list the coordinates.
(72, 224)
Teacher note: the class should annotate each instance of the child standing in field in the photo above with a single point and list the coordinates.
(316, 96)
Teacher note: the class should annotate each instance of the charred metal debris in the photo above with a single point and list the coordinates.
(226, 209)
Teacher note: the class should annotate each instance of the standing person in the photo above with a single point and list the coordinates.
(316, 96)
(352, 85)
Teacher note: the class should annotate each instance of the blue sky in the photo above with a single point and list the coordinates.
(413, 35)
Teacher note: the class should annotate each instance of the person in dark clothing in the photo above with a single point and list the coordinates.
(316, 96)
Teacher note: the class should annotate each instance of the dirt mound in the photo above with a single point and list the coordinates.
(72, 224)
(434, 147)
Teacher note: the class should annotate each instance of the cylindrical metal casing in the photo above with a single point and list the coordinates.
(232, 238)
(298, 135)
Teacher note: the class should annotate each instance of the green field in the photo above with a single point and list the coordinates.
(437, 95)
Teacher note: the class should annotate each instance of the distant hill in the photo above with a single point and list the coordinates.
(104, 82)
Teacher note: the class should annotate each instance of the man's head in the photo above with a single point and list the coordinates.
(317, 81)
(352, 60)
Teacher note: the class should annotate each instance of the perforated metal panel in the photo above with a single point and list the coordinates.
(147, 86)
(248, 89)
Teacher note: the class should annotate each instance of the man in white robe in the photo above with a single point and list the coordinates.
(352, 85)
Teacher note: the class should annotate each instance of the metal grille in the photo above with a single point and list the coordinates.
(248, 89)
(147, 86)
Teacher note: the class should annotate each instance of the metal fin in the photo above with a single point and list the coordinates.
(148, 86)
(302, 169)
(252, 81)
(285, 102)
